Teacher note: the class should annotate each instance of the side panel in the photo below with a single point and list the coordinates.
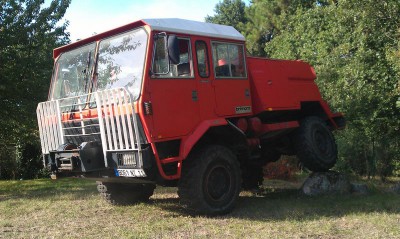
(232, 97)
(281, 84)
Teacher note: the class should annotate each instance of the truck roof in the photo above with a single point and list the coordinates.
(165, 24)
(194, 28)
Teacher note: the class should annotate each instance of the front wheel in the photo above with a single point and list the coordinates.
(315, 145)
(211, 180)
(125, 193)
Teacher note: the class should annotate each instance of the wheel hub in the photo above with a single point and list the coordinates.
(218, 183)
(321, 141)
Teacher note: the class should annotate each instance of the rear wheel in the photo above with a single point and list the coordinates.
(211, 180)
(315, 145)
(125, 193)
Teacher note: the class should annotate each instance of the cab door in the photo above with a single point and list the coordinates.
(231, 84)
(173, 92)
(204, 79)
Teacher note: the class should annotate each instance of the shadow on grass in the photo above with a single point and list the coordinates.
(276, 203)
(46, 188)
(284, 204)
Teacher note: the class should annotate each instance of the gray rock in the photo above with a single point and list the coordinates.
(326, 183)
(359, 188)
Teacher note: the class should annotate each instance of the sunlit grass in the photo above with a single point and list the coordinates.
(71, 208)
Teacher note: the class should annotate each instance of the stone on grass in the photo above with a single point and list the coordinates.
(326, 183)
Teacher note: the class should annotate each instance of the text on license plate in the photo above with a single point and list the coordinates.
(130, 173)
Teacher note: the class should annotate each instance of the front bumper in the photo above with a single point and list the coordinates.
(86, 161)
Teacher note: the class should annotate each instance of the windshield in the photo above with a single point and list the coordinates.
(72, 72)
(120, 63)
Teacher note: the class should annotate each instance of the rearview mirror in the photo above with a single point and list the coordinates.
(173, 49)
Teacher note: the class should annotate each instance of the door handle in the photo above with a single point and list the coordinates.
(194, 95)
(247, 93)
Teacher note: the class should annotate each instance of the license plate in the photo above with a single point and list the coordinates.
(133, 173)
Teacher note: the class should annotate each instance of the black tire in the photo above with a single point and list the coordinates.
(125, 193)
(210, 183)
(252, 177)
(315, 145)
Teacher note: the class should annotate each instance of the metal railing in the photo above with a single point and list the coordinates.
(115, 123)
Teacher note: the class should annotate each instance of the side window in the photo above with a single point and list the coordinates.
(160, 61)
(184, 68)
(202, 59)
(163, 68)
(228, 60)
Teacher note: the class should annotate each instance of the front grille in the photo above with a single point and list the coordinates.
(127, 159)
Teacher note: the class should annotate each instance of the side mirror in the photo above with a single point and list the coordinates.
(173, 49)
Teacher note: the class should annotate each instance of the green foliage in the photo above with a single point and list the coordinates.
(28, 34)
(8, 161)
(30, 161)
(355, 48)
(229, 12)
(266, 20)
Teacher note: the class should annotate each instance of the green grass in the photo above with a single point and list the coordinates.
(71, 208)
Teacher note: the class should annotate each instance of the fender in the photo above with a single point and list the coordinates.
(191, 140)
(336, 119)
(188, 144)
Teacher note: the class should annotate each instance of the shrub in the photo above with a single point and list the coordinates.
(283, 169)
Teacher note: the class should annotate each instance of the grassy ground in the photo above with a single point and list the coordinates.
(71, 208)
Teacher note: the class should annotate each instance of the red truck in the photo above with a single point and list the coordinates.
(174, 102)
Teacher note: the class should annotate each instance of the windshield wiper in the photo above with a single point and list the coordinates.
(93, 77)
(86, 71)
